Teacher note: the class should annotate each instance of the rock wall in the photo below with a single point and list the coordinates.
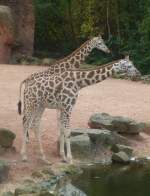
(6, 34)
(23, 14)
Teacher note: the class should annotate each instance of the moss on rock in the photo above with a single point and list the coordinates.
(6, 138)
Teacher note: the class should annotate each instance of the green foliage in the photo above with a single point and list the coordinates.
(61, 26)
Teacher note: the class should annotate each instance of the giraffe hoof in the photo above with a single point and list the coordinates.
(24, 159)
(64, 159)
(69, 161)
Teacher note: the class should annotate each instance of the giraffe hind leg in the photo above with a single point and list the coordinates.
(61, 137)
(65, 119)
(27, 120)
(36, 128)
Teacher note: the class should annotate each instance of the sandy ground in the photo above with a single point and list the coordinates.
(116, 97)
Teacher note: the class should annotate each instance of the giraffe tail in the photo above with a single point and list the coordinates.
(19, 107)
(19, 102)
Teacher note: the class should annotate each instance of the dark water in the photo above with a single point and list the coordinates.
(114, 181)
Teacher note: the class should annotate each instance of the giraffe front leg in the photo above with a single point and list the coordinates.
(62, 145)
(38, 137)
(61, 138)
(65, 118)
(68, 145)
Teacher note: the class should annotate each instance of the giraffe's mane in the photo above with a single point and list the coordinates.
(74, 52)
(99, 66)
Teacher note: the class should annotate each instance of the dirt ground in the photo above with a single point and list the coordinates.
(113, 96)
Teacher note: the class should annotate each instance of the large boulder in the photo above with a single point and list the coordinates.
(93, 145)
(4, 170)
(6, 138)
(115, 123)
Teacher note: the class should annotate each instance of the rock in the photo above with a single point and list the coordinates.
(120, 157)
(37, 174)
(140, 161)
(4, 170)
(101, 136)
(69, 190)
(30, 194)
(100, 141)
(81, 146)
(6, 34)
(107, 138)
(6, 138)
(36, 189)
(101, 121)
(27, 190)
(146, 79)
(126, 125)
(145, 126)
(23, 14)
(26, 60)
(2, 150)
(8, 194)
(45, 193)
(115, 123)
(127, 149)
(48, 172)
(71, 170)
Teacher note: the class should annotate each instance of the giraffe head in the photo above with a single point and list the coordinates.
(126, 66)
(98, 42)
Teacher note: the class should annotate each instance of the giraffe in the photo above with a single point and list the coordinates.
(74, 60)
(60, 91)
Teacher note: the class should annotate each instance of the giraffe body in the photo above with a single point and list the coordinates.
(72, 61)
(60, 91)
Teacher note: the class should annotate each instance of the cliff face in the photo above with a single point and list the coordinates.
(6, 34)
(23, 15)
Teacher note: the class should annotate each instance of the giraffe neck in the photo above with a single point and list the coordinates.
(90, 77)
(79, 55)
(74, 60)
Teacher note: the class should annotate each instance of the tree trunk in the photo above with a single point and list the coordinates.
(71, 21)
(117, 19)
(107, 15)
